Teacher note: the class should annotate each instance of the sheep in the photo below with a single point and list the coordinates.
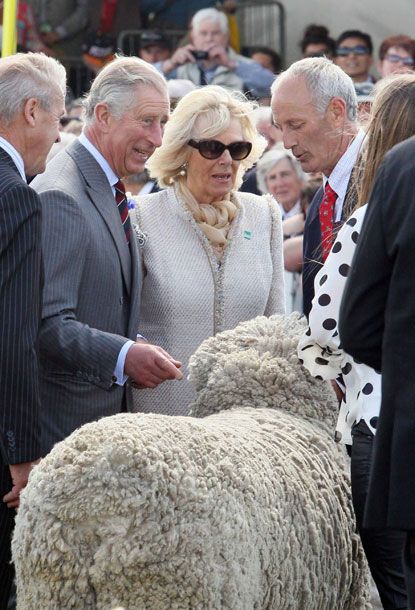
(245, 505)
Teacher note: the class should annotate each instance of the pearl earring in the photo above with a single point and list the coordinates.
(183, 170)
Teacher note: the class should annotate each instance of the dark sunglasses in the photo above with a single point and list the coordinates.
(358, 50)
(397, 59)
(213, 149)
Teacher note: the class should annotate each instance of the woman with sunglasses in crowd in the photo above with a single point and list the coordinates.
(211, 256)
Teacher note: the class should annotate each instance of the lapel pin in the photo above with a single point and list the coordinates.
(247, 234)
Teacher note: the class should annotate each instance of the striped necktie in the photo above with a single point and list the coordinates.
(122, 205)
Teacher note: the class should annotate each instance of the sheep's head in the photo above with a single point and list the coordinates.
(256, 365)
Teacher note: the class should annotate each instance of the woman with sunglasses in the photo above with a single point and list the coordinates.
(211, 256)
(396, 55)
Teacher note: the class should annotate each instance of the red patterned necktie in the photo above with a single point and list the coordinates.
(326, 220)
(122, 204)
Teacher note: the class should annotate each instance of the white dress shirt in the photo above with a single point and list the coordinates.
(340, 176)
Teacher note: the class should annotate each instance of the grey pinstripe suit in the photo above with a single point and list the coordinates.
(20, 308)
(91, 294)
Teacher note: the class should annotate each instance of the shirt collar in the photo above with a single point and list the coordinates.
(339, 177)
(15, 155)
(100, 159)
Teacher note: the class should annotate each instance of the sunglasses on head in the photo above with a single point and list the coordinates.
(358, 50)
(397, 59)
(213, 149)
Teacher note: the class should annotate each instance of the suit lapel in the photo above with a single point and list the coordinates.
(313, 229)
(100, 194)
(6, 158)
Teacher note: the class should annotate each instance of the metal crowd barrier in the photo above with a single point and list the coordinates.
(263, 23)
(260, 23)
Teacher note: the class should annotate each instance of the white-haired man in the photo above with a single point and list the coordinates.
(208, 60)
(32, 93)
(93, 277)
(314, 104)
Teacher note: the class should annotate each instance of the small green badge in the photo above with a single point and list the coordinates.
(247, 234)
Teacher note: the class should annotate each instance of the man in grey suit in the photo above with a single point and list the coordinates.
(32, 90)
(90, 317)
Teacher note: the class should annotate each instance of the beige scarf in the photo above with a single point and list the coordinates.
(214, 219)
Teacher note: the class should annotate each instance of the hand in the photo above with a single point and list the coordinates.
(181, 56)
(20, 474)
(219, 55)
(149, 365)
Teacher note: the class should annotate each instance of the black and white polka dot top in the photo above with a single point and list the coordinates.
(319, 347)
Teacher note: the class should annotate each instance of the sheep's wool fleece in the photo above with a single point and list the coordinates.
(246, 509)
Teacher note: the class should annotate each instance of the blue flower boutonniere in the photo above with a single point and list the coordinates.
(140, 235)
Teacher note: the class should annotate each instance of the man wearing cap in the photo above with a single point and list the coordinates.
(208, 59)
(155, 46)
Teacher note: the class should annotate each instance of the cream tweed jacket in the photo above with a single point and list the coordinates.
(188, 296)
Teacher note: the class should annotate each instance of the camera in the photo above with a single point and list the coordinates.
(200, 55)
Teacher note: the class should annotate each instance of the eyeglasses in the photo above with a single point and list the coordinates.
(213, 149)
(358, 50)
(397, 59)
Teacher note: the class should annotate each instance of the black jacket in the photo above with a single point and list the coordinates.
(377, 327)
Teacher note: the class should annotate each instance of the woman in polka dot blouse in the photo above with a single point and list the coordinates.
(393, 120)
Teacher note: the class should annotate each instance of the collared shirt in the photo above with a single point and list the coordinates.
(16, 156)
(112, 178)
(101, 160)
(296, 209)
(340, 176)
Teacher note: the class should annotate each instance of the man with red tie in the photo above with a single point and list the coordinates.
(314, 104)
(91, 300)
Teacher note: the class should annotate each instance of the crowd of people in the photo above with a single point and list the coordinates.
(174, 201)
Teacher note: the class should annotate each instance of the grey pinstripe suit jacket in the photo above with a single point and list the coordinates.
(91, 294)
(20, 309)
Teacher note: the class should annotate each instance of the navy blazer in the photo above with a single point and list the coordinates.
(312, 258)
(312, 255)
(377, 327)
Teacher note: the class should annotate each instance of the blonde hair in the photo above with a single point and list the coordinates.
(205, 113)
(392, 121)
